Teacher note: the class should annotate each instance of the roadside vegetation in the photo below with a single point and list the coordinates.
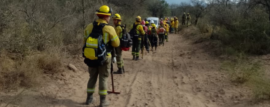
(235, 32)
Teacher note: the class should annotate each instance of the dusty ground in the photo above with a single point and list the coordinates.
(180, 74)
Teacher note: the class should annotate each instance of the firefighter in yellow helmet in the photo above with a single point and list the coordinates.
(176, 23)
(172, 25)
(153, 35)
(167, 27)
(137, 33)
(184, 18)
(161, 33)
(117, 25)
(99, 63)
(188, 19)
(147, 35)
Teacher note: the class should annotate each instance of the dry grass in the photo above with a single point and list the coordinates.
(28, 72)
(242, 71)
(49, 63)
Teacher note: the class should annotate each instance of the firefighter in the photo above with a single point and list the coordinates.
(172, 25)
(176, 22)
(110, 38)
(137, 33)
(117, 23)
(167, 27)
(153, 37)
(161, 33)
(145, 38)
(147, 34)
(184, 18)
(188, 19)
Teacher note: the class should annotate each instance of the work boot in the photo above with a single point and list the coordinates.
(133, 57)
(103, 101)
(137, 58)
(120, 71)
(123, 69)
(89, 98)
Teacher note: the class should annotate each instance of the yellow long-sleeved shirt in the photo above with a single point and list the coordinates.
(139, 30)
(176, 23)
(172, 24)
(119, 30)
(109, 34)
(188, 17)
(167, 27)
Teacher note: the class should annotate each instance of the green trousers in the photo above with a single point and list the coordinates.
(172, 30)
(183, 22)
(166, 37)
(187, 23)
(176, 30)
(136, 47)
(103, 73)
(120, 62)
(161, 38)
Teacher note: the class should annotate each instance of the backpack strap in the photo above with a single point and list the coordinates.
(121, 34)
(97, 28)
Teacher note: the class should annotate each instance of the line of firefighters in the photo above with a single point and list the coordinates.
(146, 35)
(101, 39)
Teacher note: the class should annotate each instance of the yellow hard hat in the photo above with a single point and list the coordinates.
(146, 22)
(153, 25)
(117, 16)
(104, 10)
(138, 19)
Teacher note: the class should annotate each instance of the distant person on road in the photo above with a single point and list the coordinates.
(153, 37)
(172, 25)
(167, 27)
(137, 33)
(176, 23)
(145, 38)
(188, 19)
(184, 18)
(117, 25)
(161, 33)
(99, 38)
(147, 35)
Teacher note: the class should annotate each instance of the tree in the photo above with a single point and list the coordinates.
(159, 8)
(264, 3)
(198, 9)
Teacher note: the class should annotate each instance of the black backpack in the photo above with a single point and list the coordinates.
(125, 41)
(133, 32)
(94, 49)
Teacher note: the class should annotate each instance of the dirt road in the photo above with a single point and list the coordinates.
(179, 74)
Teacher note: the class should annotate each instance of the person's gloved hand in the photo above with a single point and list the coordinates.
(114, 60)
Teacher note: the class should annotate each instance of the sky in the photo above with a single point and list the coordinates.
(177, 1)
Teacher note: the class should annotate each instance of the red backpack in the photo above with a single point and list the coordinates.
(161, 30)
